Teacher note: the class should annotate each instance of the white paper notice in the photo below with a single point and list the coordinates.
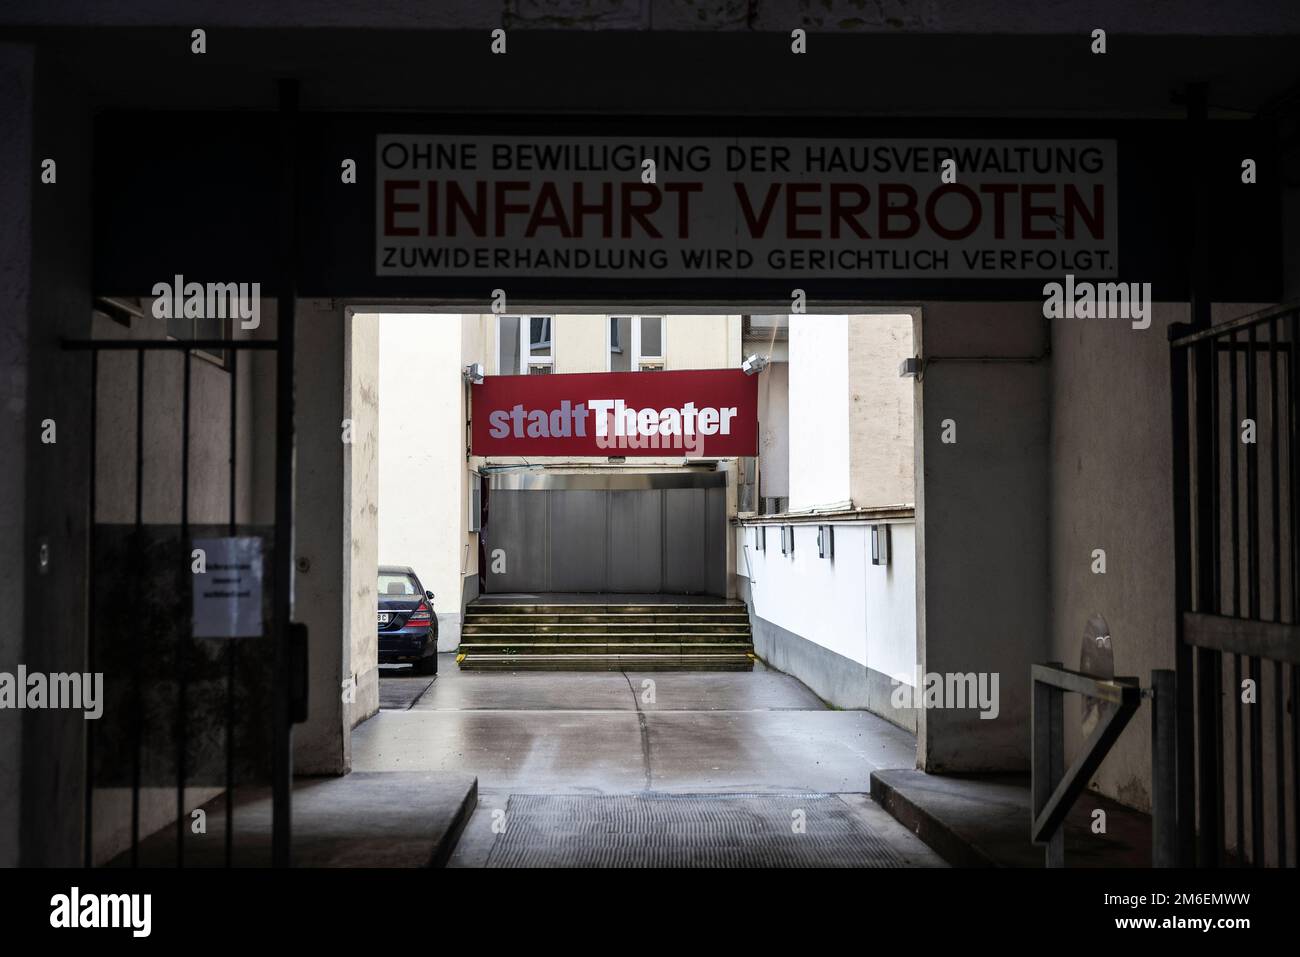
(228, 595)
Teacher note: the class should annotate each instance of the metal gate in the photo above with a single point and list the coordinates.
(654, 533)
(1237, 571)
(181, 711)
(194, 712)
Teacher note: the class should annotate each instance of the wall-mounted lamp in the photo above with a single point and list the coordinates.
(754, 364)
(826, 541)
(880, 544)
(910, 369)
(473, 373)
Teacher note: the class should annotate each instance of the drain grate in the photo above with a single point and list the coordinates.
(686, 830)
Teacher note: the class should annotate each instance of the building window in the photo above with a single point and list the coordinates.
(636, 343)
(188, 327)
(525, 345)
(620, 343)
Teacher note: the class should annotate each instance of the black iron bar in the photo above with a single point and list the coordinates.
(137, 717)
(1209, 682)
(88, 826)
(1293, 500)
(182, 631)
(1253, 592)
(1184, 763)
(281, 725)
(1279, 689)
(1234, 468)
(232, 644)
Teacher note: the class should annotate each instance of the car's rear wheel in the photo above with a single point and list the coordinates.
(427, 666)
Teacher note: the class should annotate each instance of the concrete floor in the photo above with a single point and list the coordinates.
(358, 820)
(983, 821)
(608, 733)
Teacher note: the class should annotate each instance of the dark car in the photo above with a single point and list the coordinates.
(408, 628)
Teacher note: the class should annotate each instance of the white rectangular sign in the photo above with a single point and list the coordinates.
(228, 592)
(748, 208)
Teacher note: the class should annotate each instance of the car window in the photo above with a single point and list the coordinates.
(398, 584)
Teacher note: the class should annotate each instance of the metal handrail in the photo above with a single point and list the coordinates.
(1228, 328)
(1054, 789)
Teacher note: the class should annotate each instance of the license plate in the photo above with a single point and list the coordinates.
(385, 617)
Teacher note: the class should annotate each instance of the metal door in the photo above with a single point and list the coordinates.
(620, 534)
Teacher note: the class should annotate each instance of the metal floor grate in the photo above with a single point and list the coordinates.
(685, 830)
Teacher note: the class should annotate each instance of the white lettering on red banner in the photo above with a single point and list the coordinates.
(684, 413)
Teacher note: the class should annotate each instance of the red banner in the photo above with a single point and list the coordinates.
(709, 412)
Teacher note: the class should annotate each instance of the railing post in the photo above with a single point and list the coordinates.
(1164, 784)
(1185, 706)
(1048, 766)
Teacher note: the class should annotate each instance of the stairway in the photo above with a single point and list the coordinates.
(603, 637)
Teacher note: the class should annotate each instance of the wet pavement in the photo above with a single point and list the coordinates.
(713, 735)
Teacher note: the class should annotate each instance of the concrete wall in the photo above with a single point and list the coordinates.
(982, 526)
(321, 493)
(361, 532)
(580, 343)
(423, 472)
(881, 455)
(774, 431)
(56, 483)
(844, 627)
(842, 16)
(819, 412)
(17, 104)
(1111, 404)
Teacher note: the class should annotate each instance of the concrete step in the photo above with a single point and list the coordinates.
(604, 637)
(605, 610)
(606, 662)
(666, 618)
(603, 628)
(605, 647)
(983, 821)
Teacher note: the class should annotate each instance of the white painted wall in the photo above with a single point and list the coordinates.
(790, 587)
(774, 431)
(422, 466)
(863, 612)
(819, 412)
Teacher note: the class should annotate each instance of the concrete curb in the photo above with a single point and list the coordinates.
(937, 835)
(446, 845)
